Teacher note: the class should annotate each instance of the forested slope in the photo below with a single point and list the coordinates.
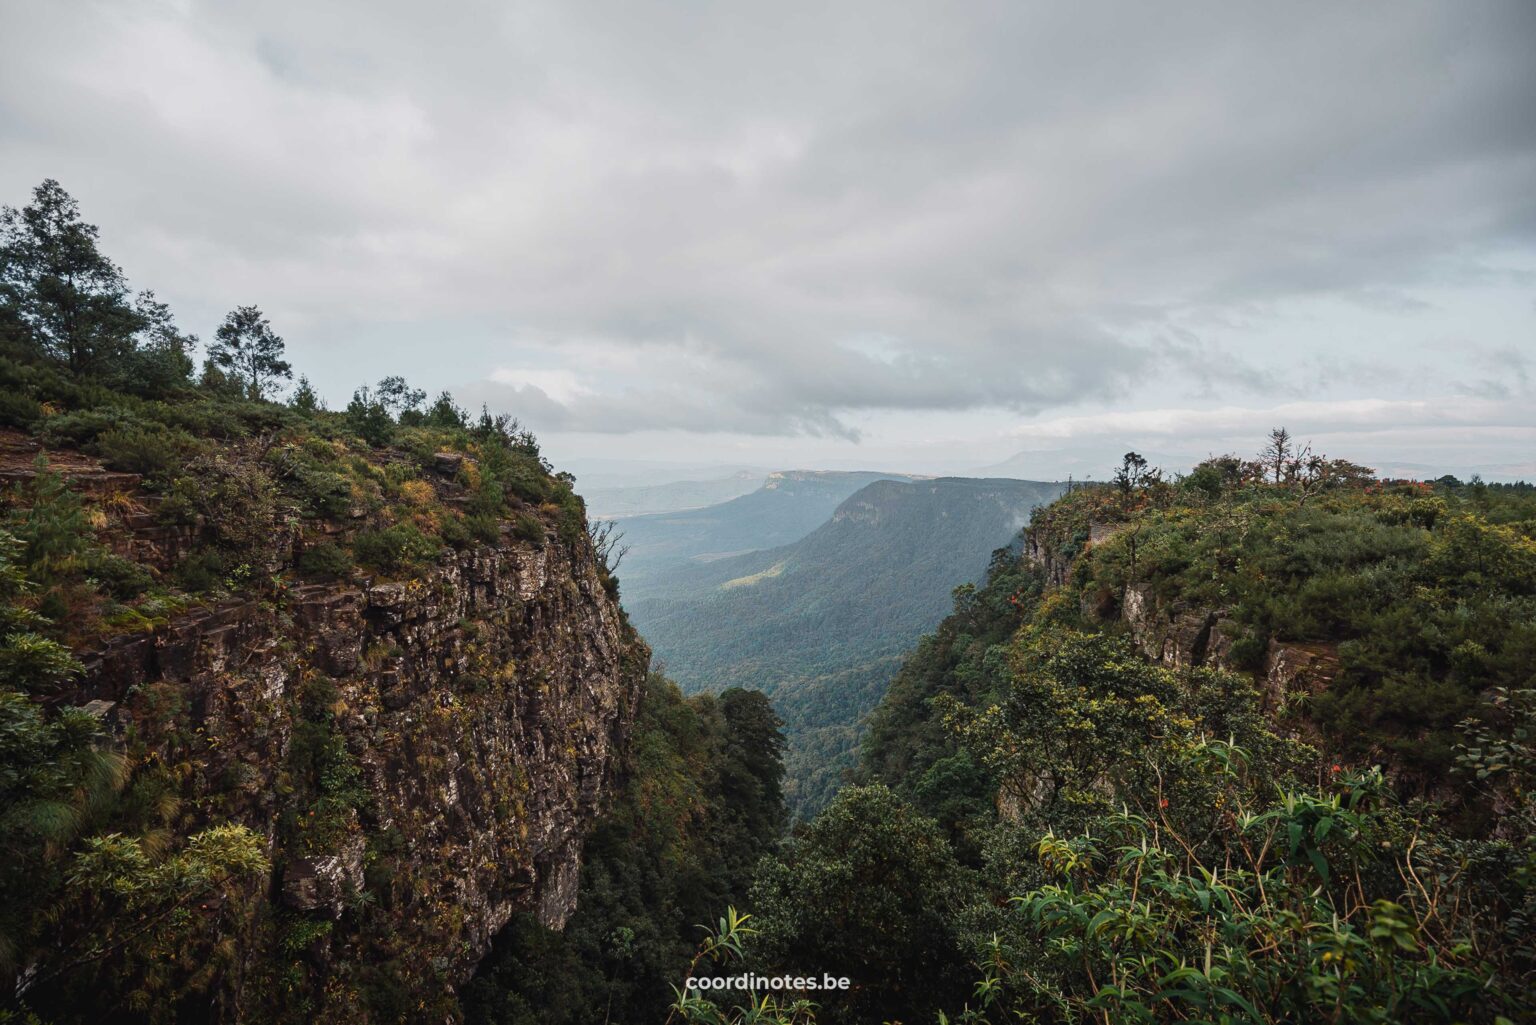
(662, 547)
(1253, 744)
(700, 804)
(299, 708)
(819, 625)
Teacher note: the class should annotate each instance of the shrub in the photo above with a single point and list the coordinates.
(204, 418)
(82, 426)
(487, 529)
(1300, 911)
(302, 473)
(369, 420)
(201, 571)
(454, 532)
(151, 451)
(238, 502)
(462, 531)
(121, 578)
(1248, 652)
(528, 527)
(325, 561)
(527, 480)
(49, 521)
(19, 411)
(417, 492)
(394, 548)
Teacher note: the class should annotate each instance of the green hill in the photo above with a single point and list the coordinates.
(787, 507)
(1252, 744)
(821, 623)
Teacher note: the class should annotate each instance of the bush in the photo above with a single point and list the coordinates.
(201, 571)
(320, 492)
(454, 532)
(1248, 652)
(121, 578)
(394, 548)
(527, 480)
(204, 417)
(19, 411)
(325, 561)
(464, 531)
(487, 529)
(151, 451)
(528, 527)
(370, 421)
(82, 426)
(237, 502)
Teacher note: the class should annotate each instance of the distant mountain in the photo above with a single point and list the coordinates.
(638, 499)
(600, 473)
(787, 507)
(820, 624)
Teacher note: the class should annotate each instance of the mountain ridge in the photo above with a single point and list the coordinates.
(818, 623)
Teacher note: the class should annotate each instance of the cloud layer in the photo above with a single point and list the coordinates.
(768, 220)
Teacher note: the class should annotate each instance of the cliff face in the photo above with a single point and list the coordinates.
(423, 756)
(1178, 635)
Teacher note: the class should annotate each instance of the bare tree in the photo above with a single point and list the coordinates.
(607, 543)
(1278, 454)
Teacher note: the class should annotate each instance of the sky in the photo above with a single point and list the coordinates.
(941, 238)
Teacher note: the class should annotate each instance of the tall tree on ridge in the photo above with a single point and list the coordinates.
(246, 346)
(57, 286)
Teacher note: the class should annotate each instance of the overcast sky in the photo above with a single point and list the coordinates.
(901, 236)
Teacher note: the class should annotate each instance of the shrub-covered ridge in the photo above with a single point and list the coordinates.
(1249, 745)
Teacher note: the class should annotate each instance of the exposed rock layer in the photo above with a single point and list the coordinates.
(478, 707)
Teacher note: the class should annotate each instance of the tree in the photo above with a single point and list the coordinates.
(444, 412)
(304, 398)
(753, 776)
(68, 299)
(247, 347)
(399, 399)
(161, 361)
(1277, 455)
(370, 418)
(867, 891)
(1133, 473)
(607, 544)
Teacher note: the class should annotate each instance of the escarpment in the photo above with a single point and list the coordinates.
(1178, 633)
(1367, 615)
(420, 750)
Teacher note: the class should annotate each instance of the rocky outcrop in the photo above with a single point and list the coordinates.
(1174, 637)
(465, 723)
(1293, 669)
(1053, 558)
(1099, 533)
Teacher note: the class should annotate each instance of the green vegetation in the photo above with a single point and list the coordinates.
(782, 510)
(139, 492)
(1253, 744)
(820, 625)
(1121, 807)
(701, 802)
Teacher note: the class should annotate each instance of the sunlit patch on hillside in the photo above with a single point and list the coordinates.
(747, 581)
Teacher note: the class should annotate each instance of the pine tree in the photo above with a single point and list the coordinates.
(304, 398)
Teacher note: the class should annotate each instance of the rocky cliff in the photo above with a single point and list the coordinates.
(1178, 634)
(422, 753)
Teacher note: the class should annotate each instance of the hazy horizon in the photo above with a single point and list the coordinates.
(918, 238)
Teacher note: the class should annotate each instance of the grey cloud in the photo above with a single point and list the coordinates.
(1026, 199)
